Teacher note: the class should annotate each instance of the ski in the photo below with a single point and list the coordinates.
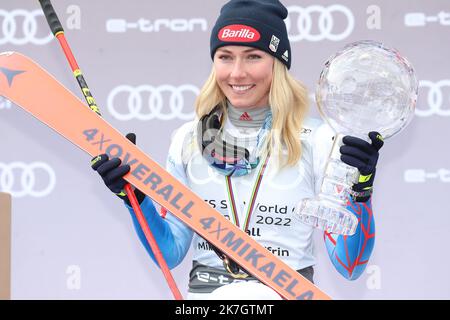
(29, 86)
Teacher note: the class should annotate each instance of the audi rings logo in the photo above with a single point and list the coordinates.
(438, 98)
(29, 32)
(36, 179)
(146, 102)
(305, 28)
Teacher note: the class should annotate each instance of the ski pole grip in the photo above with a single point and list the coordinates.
(50, 15)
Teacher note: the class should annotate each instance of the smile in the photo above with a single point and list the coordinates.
(241, 89)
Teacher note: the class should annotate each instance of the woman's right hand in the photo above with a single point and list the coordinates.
(112, 172)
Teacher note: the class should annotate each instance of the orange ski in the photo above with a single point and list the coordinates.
(32, 88)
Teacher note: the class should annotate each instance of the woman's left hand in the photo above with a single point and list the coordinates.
(363, 155)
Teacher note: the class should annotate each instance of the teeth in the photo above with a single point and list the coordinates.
(241, 88)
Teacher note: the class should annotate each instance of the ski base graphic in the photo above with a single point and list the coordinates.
(29, 86)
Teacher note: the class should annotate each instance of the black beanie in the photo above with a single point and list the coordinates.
(254, 23)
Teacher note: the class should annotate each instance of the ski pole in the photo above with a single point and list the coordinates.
(58, 32)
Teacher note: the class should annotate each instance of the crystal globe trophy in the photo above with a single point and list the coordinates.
(364, 87)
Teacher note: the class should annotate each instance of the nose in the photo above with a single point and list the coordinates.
(238, 70)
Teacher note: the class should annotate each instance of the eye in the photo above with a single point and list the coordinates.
(254, 57)
(224, 57)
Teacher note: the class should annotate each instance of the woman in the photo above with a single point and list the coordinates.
(252, 116)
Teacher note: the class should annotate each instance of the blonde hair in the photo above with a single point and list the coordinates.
(288, 99)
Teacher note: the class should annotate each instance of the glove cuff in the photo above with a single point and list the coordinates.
(362, 191)
(361, 196)
(139, 196)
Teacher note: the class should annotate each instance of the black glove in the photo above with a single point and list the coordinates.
(361, 154)
(112, 173)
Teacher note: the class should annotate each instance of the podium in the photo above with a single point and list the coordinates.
(5, 246)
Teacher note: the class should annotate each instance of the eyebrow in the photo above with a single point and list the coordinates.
(228, 51)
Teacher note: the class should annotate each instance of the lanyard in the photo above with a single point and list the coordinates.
(251, 203)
